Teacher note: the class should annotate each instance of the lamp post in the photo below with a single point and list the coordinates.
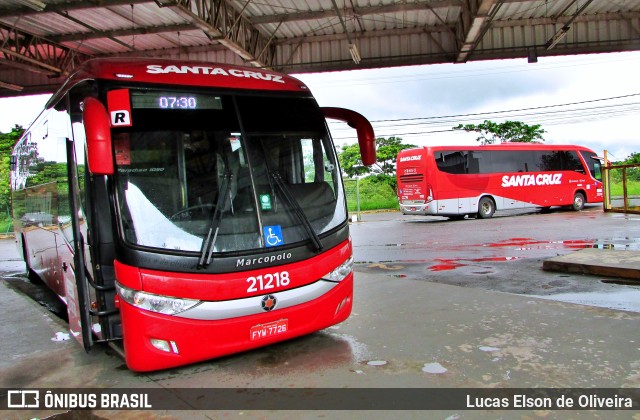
(358, 198)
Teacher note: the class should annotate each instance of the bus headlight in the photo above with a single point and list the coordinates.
(341, 271)
(156, 303)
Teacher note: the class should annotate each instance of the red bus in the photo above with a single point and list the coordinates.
(476, 181)
(190, 210)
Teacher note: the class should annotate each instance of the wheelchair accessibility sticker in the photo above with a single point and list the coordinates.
(272, 236)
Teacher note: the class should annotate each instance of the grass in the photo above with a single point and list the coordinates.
(633, 188)
(376, 196)
(373, 195)
(374, 203)
(6, 226)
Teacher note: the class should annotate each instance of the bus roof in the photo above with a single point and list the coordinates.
(180, 73)
(504, 146)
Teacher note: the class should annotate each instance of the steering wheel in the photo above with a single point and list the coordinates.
(187, 213)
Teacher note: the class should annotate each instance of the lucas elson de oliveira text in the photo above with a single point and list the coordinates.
(524, 401)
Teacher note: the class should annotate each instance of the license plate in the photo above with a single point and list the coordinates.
(270, 329)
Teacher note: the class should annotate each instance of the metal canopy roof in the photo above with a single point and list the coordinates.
(44, 40)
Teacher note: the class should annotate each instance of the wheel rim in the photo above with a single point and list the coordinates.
(578, 202)
(486, 208)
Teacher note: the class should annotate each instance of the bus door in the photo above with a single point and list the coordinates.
(594, 182)
(38, 215)
(39, 198)
(73, 262)
(72, 298)
(561, 169)
(473, 184)
(451, 189)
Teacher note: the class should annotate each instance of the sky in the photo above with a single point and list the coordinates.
(591, 100)
(421, 104)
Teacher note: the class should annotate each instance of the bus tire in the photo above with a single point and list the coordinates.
(578, 201)
(486, 208)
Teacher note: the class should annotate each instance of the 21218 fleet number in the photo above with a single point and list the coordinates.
(268, 281)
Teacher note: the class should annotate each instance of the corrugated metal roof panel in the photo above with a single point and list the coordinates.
(306, 34)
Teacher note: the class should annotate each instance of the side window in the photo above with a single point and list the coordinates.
(593, 165)
(529, 159)
(45, 170)
(317, 166)
(504, 161)
(308, 160)
(476, 162)
(57, 133)
(597, 170)
(452, 162)
(560, 161)
(572, 162)
(26, 153)
(79, 142)
(550, 161)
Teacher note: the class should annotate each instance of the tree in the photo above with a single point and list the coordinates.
(351, 161)
(506, 132)
(633, 158)
(633, 173)
(386, 153)
(7, 141)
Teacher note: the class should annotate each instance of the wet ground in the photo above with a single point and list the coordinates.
(430, 311)
(501, 254)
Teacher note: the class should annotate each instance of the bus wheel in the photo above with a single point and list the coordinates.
(578, 201)
(486, 208)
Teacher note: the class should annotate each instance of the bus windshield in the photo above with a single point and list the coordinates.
(221, 173)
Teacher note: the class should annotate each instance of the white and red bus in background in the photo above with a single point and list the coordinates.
(459, 181)
(191, 210)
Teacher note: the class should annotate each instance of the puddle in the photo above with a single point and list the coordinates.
(624, 300)
(527, 244)
(435, 368)
(622, 282)
(452, 264)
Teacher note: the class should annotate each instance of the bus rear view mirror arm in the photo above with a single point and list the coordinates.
(366, 137)
(98, 132)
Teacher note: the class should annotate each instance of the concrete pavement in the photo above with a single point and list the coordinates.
(601, 262)
(402, 333)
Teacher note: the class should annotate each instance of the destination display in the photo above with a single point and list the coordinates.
(174, 100)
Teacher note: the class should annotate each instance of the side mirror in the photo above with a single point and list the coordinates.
(98, 132)
(366, 137)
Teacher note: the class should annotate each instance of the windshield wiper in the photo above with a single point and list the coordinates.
(293, 204)
(208, 244)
